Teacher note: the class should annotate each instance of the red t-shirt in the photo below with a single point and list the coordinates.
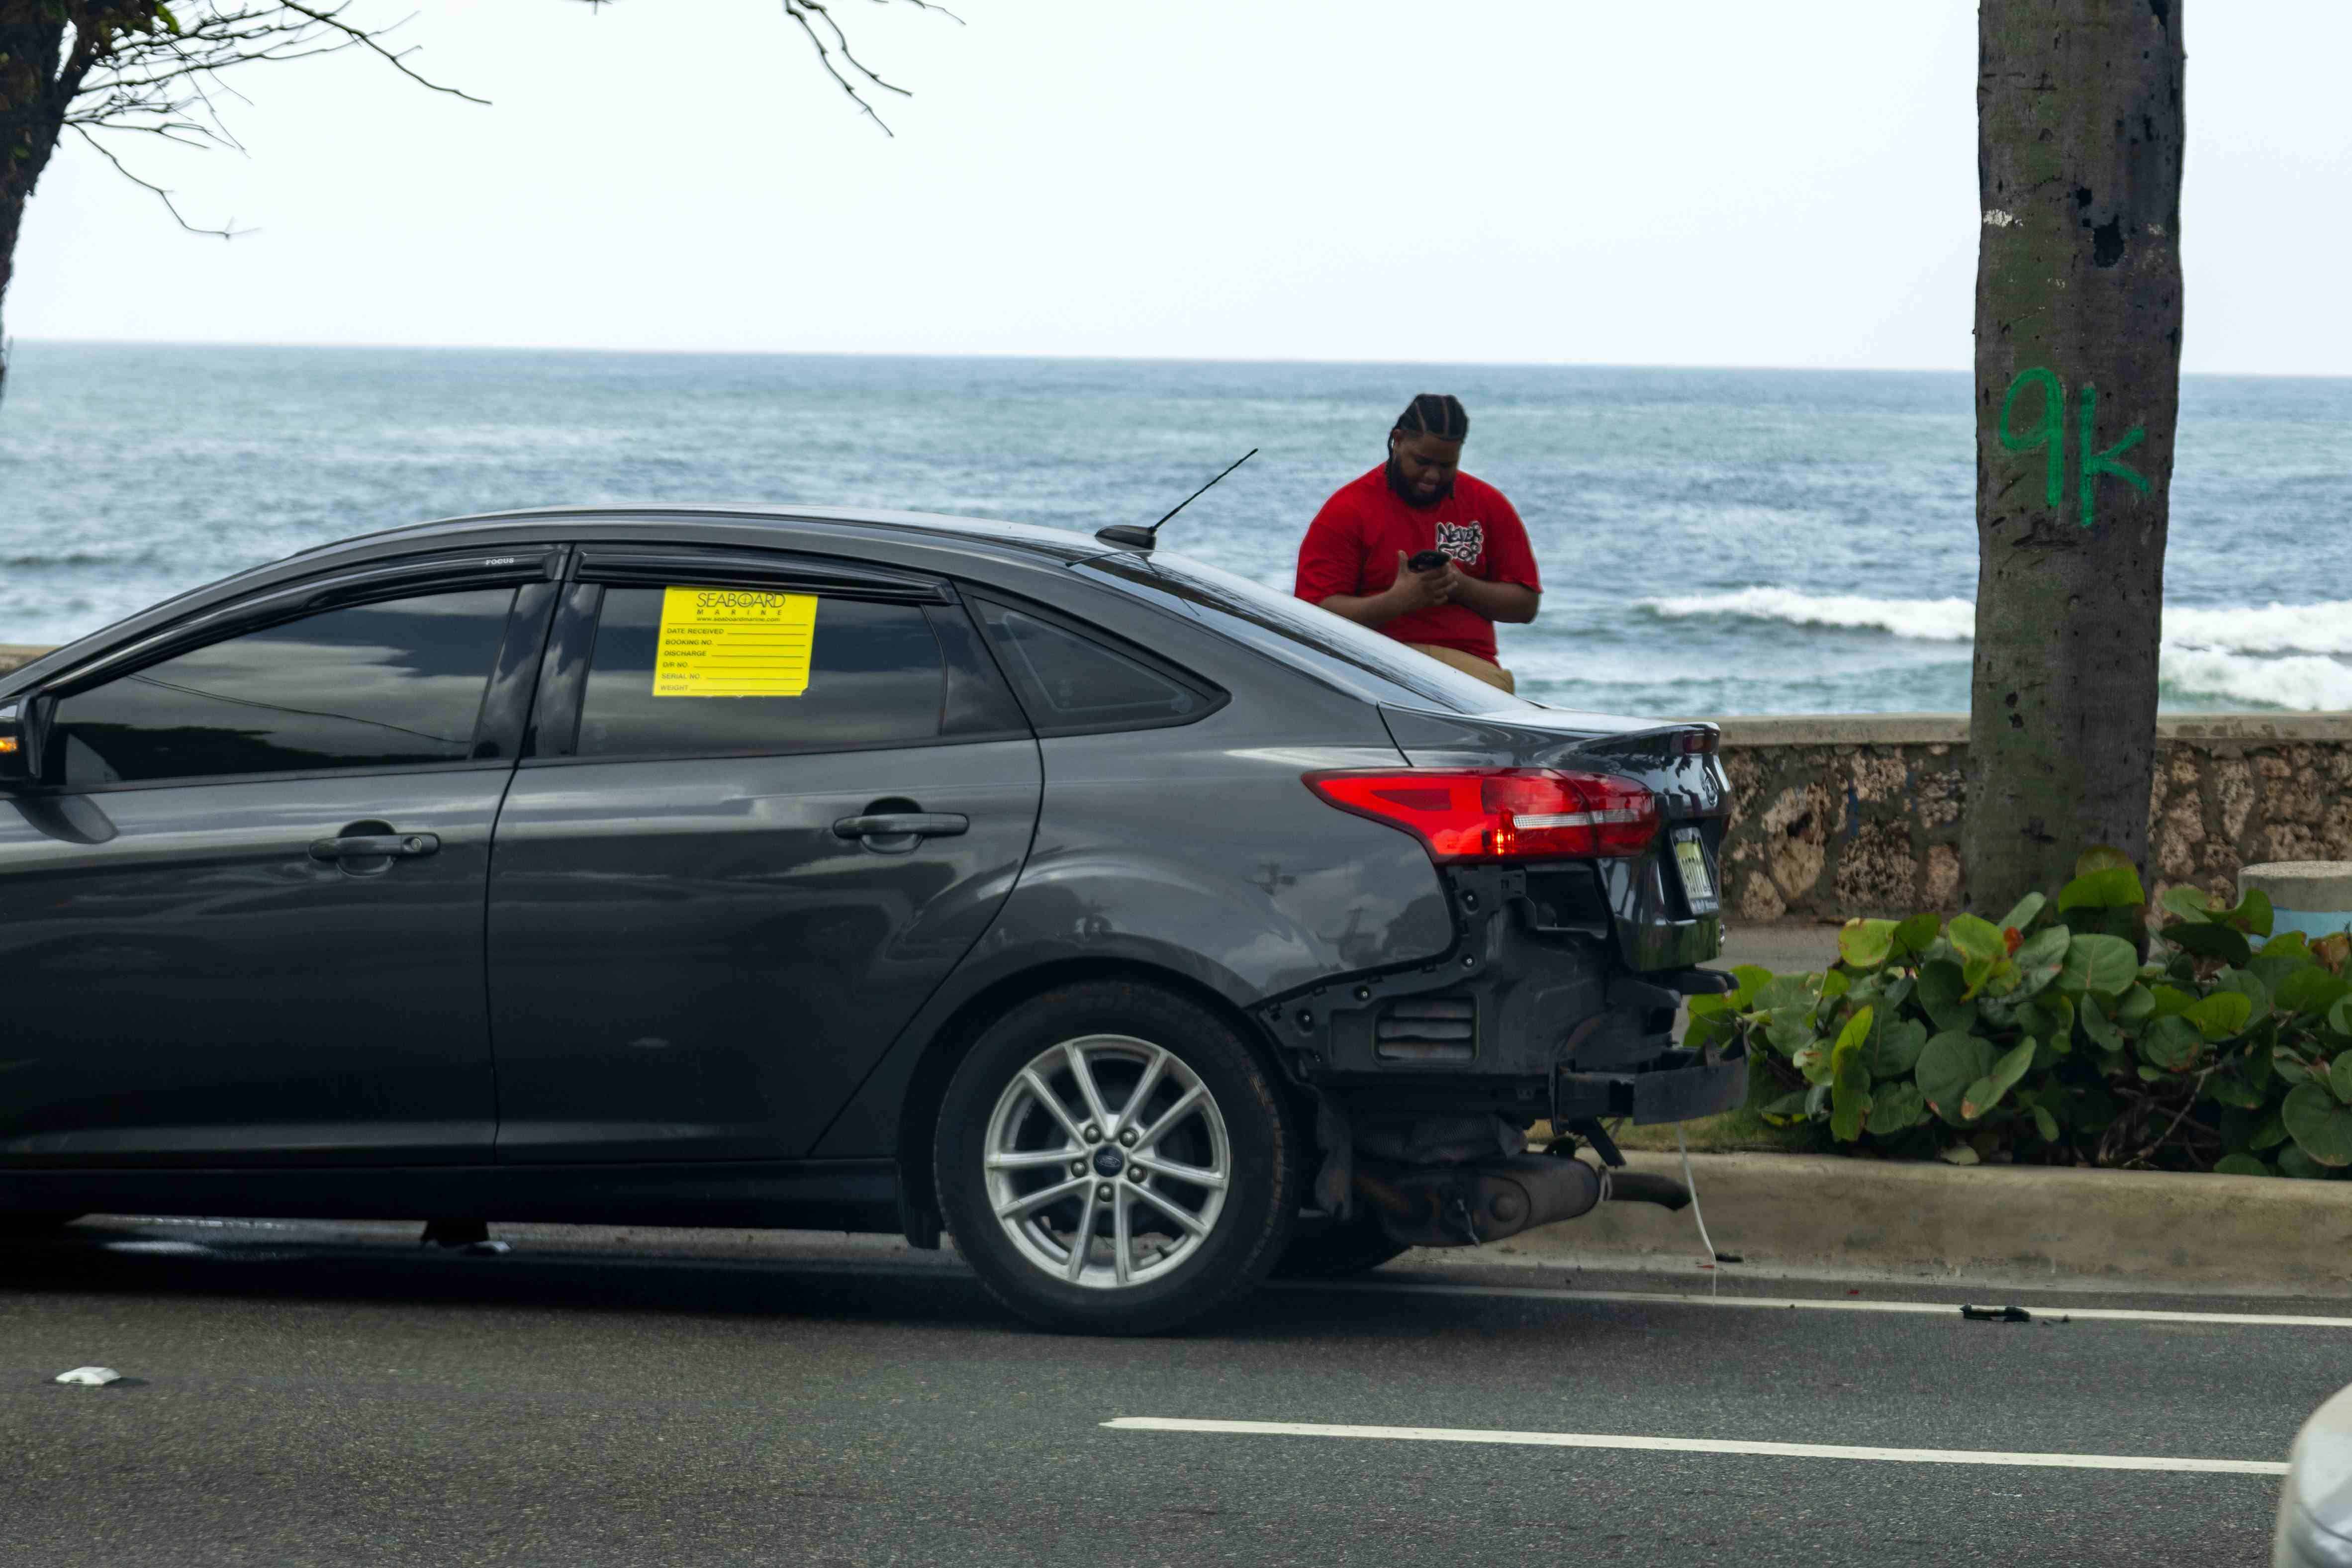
(1352, 547)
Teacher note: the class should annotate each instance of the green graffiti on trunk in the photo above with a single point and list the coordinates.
(2049, 436)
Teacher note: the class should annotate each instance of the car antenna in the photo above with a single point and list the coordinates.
(1144, 539)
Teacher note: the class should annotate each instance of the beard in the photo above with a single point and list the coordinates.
(1409, 496)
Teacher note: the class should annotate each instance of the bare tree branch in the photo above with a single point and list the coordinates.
(161, 195)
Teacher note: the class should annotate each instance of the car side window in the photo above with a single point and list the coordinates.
(393, 684)
(1072, 683)
(688, 672)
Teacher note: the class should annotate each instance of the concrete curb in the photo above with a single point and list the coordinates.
(1814, 1215)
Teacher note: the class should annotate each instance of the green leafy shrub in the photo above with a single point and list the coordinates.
(2044, 1039)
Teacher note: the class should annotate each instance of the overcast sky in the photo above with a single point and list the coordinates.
(1711, 182)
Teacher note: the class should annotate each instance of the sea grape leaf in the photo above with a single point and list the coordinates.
(2187, 902)
(2094, 1020)
(2023, 913)
(1895, 1049)
(2100, 857)
(2239, 1164)
(1950, 1063)
(2251, 915)
(2310, 992)
(1896, 1108)
(1866, 944)
(2230, 1090)
(2103, 965)
(2320, 1124)
(1986, 1092)
(2222, 1015)
(1979, 941)
(1915, 934)
(2293, 1162)
(2171, 1044)
(1941, 995)
(2041, 958)
(1850, 1097)
(2208, 941)
(2251, 986)
(2113, 887)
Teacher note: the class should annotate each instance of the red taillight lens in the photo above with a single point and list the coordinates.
(1501, 813)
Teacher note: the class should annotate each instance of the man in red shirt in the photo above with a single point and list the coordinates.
(1355, 558)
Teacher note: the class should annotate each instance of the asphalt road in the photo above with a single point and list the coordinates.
(331, 1394)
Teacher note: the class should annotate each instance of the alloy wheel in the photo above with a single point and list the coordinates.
(1106, 1161)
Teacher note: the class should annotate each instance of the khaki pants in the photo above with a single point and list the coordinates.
(1469, 665)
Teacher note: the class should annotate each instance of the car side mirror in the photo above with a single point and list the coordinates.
(15, 744)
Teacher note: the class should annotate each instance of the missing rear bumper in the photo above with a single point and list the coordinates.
(1683, 1086)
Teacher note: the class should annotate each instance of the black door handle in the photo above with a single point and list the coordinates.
(902, 825)
(375, 846)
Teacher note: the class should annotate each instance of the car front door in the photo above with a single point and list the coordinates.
(241, 914)
(770, 804)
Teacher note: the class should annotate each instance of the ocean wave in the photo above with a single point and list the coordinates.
(1927, 620)
(2275, 628)
(2275, 654)
(2311, 683)
(2272, 628)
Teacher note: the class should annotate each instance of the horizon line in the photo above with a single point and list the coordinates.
(1106, 358)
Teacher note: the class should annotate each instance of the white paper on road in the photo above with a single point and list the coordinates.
(91, 1376)
(1707, 1445)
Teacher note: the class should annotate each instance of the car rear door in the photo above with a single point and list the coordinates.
(241, 917)
(771, 803)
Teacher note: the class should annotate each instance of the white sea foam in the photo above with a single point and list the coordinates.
(2226, 652)
(2311, 682)
(2275, 628)
(1929, 620)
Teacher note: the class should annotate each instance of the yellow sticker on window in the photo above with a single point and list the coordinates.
(734, 642)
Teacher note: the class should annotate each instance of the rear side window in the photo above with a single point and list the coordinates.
(395, 685)
(706, 671)
(1351, 657)
(1072, 683)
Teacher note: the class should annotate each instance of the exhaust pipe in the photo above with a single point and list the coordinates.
(1466, 1205)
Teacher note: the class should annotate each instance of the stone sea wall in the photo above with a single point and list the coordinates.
(1860, 814)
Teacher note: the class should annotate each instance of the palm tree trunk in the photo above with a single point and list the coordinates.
(2077, 392)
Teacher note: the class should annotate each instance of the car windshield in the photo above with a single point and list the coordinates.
(1355, 658)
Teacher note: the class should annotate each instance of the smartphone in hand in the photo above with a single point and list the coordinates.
(1427, 561)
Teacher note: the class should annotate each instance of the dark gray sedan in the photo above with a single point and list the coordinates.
(1143, 928)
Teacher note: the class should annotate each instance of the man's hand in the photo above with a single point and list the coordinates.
(1415, 591)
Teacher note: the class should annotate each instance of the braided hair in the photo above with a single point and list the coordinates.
(1434, 413)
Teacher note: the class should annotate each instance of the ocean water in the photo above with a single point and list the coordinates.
(1713, 541)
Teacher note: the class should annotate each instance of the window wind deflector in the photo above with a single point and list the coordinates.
(388, 580)
(662, 569)
(488, 570)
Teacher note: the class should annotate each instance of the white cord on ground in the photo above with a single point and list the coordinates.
(1690, 1185)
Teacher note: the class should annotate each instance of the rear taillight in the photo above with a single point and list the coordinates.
(1501, 813)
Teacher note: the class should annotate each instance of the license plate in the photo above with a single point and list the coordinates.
(1690, 859)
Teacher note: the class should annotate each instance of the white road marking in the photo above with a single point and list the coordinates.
(1706, 1445)
(1817, 1305)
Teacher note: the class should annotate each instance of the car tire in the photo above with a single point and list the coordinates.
(1345, 1247)
(1075, 1202)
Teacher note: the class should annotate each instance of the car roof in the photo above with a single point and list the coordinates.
(1060, 546)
